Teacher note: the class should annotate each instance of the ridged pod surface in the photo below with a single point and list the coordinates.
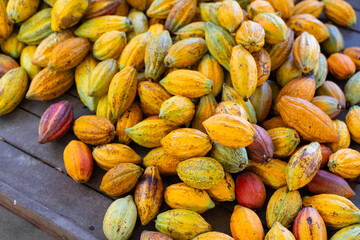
(309, 225)
(275, 28)
(208, 12)
(220, 43)
(283, 207)
(95, 27)
(352, 89)
(7, 25)
(47, 84)
(181, 14)
(321, 71)
(303, 166)
(129, 118)
(316, 125)
(200, 172)
(354, 54)
(109, 45)
(224, 190)
(352, 122)
(6, 64)
(156, 28)
(285, 140)
(244, 223)
(99, 8)
(160, 9)
(25, 61)
(204, 110)
(329, 88)
(196, 84)
(251, 35)
(262, 148)
(103, 109)
(149, 132)
(101, 77)
(78, 161)
(306, 52)
(340, 12)
(233, 160)
(272, 173)
(344, 136)
(67, 13)
(152, 95)
(250, 190)
(182, 196)
(94, 130)
(261, 100)
(263, 64)
(326, 182)
(285, 7)
(55, 122)
(213, 71)
(155, 53)
(287, 71)
(165, 162)
(257, 7)
(120, 179)
(351, 233)
(149, 195)
(335, 210)
(230, 107)
(13, 87)
(195, 29)
(12, 46)
(335, 42)
(230, 15)
(341, 66)
(314, 8)
(110, 155)
(139, 23)
(120, 219)
(177, 110)
(328, 105)
(279, 232)
(230, 130)
(345, 162)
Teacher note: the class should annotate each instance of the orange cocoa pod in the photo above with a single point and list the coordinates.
(263, 64)
(181, 14)
(273, 123)
(6, 64)
(341, 66)
(325, 153)
(128, 119)
(309, 225)
(354, 54)
(245, 224)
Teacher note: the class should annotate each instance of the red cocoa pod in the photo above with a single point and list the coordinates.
(6, 64)
(78, 161)
(99, 8)
(250, 190)
(326, 182)
(325, 153)
(262, 148)
(55, 122)
(309, 225)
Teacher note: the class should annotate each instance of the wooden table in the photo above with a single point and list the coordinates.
(34, 184)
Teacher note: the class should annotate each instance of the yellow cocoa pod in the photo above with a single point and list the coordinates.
(230, 107)
(204, 110)
(103, 109)
(336, 211)
(25, 61)
(345, 162)
(152, 95)
(306, 52)
(68, 54)
(94, 130)
(12, 46)
(149, 132)
(128, 119)
(195, 29)
(122, 9)
(279, 232)
(181, 14)
(257, 7)
(272, 173)
(352, 121)
(110, 155)
(156, 29)
(36, 28)
(182, 196)
(220, 43)
(101, 77)
(95, 27)
(160, 9)
(303, 166)
(251, 35)
(120, 179)
(122, 91)
(285, 7)
(149, 195)
(224, 190)
(288, 71)
(273, 123)
(230, 130)
(177, 110)
(165, 162)
(19, 11)
(340, 12)
(213, 71)
(139, 4)
(283, 207)
(243, 72)
(308, 23)
(285, 141)
(344, 135)
(208, 12)
(44, 49)
(67, 13)
(245, 224)
(47, 84)
(230, 15)
(200, 172)
(350, 233)
(82, 77)
(275, 28)
(155, 53)
(134, 52)
(109, 45)
(13, 87)
(186, 52)
(6, 25)
(179, 224)
(196, 84)
(314, 8)
(139, 23)
(213, 236)
(186, 143)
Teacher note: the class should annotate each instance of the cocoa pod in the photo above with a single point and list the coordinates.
(262, 148)
(250, 190)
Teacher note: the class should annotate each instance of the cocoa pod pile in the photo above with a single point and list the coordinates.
(230, 96)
